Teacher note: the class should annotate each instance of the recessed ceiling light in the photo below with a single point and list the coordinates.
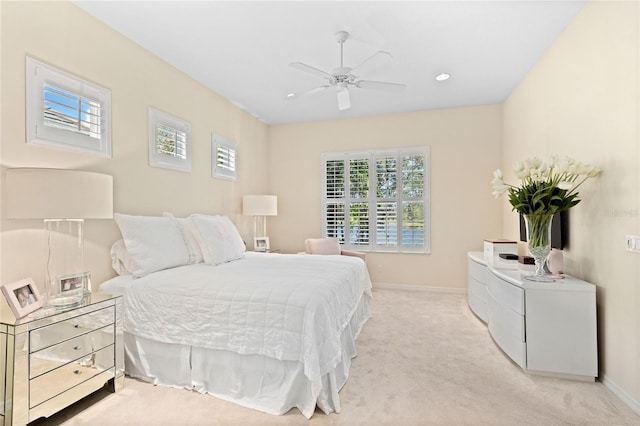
(443, 76)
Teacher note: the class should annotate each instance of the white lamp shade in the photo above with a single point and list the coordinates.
(57, 194)
(260, 205)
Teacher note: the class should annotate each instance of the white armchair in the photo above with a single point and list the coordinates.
(329, 246)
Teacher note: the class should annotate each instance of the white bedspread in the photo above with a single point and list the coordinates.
(288, 307)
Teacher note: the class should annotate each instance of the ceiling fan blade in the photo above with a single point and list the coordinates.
(309, 69)
(380, 85)
(294, 96)
(372, 62)
(344, 100)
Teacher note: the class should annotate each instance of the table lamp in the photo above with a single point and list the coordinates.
(259, 206)
(63, 199)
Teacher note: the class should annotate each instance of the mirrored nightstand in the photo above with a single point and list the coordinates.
(56, 357)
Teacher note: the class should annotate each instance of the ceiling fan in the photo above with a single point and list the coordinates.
(342, 77)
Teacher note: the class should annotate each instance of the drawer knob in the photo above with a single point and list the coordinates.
(76, 347)
(76, 326)
(77, 371)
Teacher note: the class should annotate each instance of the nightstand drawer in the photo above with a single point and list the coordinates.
(55, 333)
(70, 350)
(70, 396)
(63, 378)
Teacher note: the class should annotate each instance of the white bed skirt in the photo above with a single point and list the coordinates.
(253, 381)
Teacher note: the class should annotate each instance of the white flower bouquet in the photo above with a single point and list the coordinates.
(547, 187)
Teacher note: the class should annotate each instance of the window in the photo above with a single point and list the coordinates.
(224, 156)
(66, 112)
(169, 141)
(378, 200)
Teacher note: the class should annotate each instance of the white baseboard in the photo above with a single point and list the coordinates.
(419, 288)
(620, 393)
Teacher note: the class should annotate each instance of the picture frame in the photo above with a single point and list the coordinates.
(23, 297)
(261, 244)
(71, 284)
(87, 282)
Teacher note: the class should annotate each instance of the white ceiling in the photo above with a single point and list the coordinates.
(241, 49)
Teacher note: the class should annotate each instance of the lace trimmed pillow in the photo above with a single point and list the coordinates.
(218, 238)
(195, 253)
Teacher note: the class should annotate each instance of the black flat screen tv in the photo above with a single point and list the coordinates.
(559, 230)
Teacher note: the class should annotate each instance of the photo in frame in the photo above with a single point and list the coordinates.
(73, 284)
(261, 243)
(22, 296)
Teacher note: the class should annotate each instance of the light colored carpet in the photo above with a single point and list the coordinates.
(423, 359)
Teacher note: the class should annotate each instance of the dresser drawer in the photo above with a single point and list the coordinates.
(70, 350)
(57, 332)
(477, 289)
(59, 380)
(477, 298)
(477, 271)
(506, 294)
(508, 330)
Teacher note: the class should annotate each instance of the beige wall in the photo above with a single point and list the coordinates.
(465, 147)
(581, 100)
(63, 35)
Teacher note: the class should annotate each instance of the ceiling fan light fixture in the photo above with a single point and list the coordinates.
(443, 76)
(342, 76)
(344, 100)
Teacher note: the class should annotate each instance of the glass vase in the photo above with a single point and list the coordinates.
(539, 241)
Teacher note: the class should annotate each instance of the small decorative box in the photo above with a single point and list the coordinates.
(492, 247)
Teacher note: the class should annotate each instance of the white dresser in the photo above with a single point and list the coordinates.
(545, 328)
(54, 358)
(477, 281)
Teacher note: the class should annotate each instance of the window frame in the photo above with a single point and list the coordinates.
(39, 133)
(219, 171)
(158, 159)
(373, 199)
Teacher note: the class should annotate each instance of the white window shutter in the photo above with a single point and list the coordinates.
(169, 141)
(378, 200)
(64, 111)
(224, 156)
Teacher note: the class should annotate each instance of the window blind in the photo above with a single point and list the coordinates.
(171, 142)
(64, 111)
(71, 111)
(377, 200)
(224, 158)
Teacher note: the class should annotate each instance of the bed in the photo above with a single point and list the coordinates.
(266, 331)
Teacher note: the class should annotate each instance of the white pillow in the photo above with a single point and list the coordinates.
(195, 254)
(218, 238)
(120, 258)
(153, 243)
